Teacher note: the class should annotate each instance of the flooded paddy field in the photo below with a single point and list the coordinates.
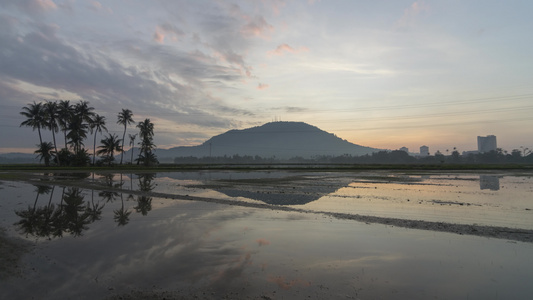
(267, 235)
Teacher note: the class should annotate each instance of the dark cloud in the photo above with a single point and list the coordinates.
(162, 78)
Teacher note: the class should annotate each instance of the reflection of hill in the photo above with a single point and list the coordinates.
(286, 191)
(489, 182)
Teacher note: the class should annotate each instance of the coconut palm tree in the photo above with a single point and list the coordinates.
(125, 117)
(97, 125)
(35, 117)
(45, 151)
(110, 144)
(132, 145)
(65, 110)
(84, 111)
(51, 121)
(77, 132)
(146, 133)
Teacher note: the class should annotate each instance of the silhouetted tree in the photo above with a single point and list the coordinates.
(110, 144)
(45, 151)
(35, 118)
(51, 121)
(97, 125)
(146, 133)
(132, 145)
(125, 117)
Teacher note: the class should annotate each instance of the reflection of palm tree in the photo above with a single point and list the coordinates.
(121, 216)
(45, 217)
(30, 217)
(75, 216)
(145, 182)
(144, 203)
(94, 210)
(108, 196)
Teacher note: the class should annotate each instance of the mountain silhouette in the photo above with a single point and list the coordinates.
(282, 140)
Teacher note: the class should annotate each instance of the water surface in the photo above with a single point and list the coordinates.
(118, 238)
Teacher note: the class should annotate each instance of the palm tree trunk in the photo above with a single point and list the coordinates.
(94, 147)
(65, 134)
(55, 146)
(123, 136)
(40, 137)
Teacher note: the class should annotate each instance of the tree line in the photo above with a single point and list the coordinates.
(381, 157)
(75, 121)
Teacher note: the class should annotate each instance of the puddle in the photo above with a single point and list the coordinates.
(129, 236)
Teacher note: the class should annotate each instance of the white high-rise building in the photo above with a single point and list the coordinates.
(486, 143)
(424, 151)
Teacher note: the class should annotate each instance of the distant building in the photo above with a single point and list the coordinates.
(424, 151)
(404, 149)
(473, 152)
(486, 143)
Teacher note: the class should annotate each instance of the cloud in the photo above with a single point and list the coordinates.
(285, 48)
(162, 81)
(262, 242)
(98, 7)
(32, 7)
(262, 86)
(274, 5)
(258, 27)
(291, 109)
(167, 29)
(410, 14)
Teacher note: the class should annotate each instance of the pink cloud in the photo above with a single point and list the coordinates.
(165, 30)
(262, 242)
(275, 5)
(257, 26)
(33, 6)
(98, 7)
(159, 37)
(285, 48)
(262, 86)
(410, 14)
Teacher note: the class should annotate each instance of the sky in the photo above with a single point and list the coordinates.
(383, 73)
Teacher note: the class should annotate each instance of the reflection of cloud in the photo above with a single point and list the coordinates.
(223, 277)
(262, 242)
(361, 261)
(262, 86)
(283, 283)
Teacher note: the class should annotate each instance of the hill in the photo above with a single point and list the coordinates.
(282, 140)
